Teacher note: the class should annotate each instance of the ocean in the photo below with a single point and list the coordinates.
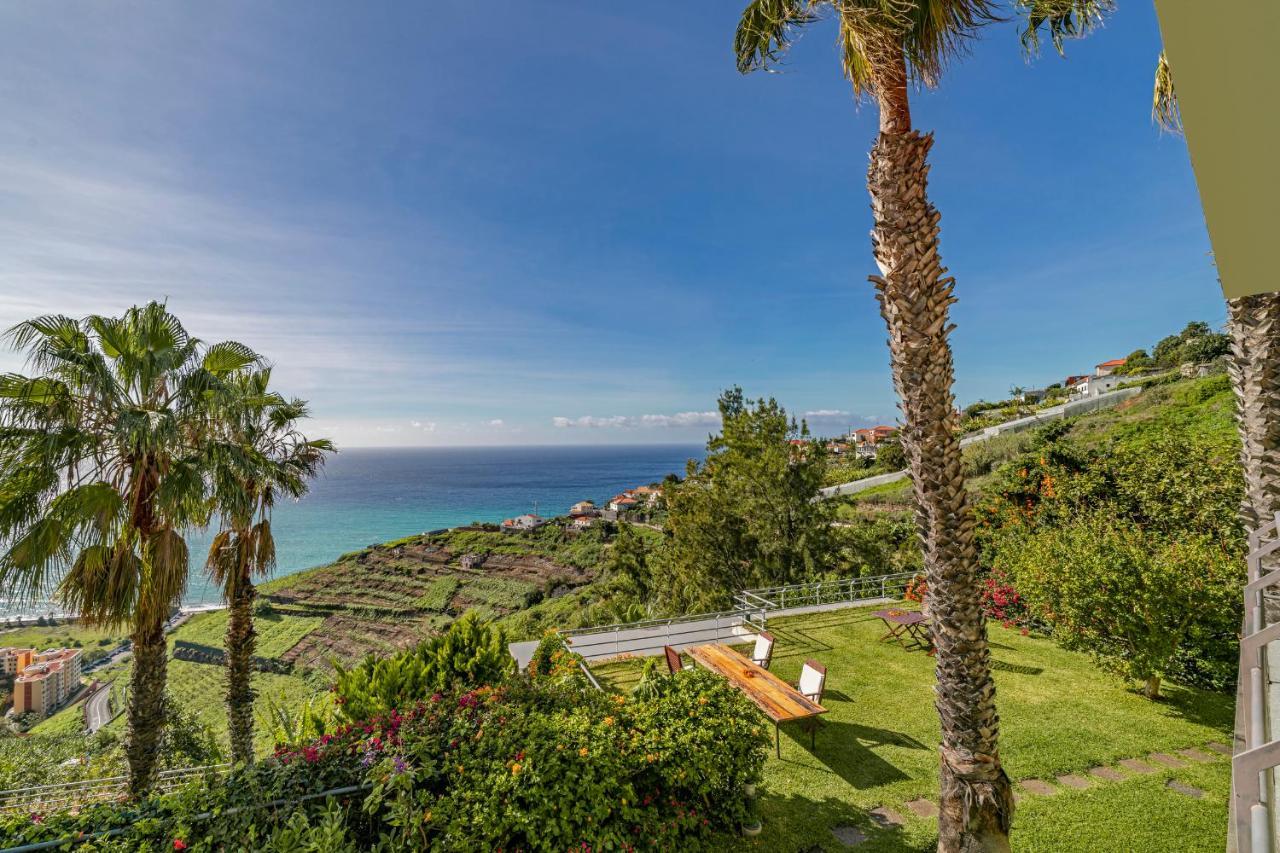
(366, 496)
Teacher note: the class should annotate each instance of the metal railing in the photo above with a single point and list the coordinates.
(749, 615)
(65, 794)
(817, 593)
(649, 636)
(1252, 767)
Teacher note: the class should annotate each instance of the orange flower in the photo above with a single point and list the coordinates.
(583, 752)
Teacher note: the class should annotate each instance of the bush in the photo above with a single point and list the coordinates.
(1126, 595)
(529, 765)
(470, 652)
(553, 767)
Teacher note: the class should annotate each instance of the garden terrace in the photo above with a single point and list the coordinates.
(1096, 766)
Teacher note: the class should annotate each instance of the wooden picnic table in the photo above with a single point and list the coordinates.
(779, 701)
(909, 627)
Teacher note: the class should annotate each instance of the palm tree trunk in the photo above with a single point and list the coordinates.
(1254, 324)
(976, 800)
(241, 640)
(146, 708)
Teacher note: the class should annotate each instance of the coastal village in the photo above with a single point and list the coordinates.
(585, 513)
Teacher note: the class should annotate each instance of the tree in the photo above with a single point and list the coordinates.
(1136, 361)
(890, 456)
(100, 472)
(886, 46)
(1125, 594)
(745, 516)
(1253, 322)
(629, 559)
(256, 456)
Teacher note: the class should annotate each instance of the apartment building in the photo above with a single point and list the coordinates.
(47, 682)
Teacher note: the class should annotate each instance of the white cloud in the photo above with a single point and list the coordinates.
(496, 423)
(825, 413)
(425, 426)
(680, 419)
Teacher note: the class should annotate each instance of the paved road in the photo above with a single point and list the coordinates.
(1066, 410)
(97, 709)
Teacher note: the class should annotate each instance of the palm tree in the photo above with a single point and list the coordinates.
(257, 456)
(99, 476)
(1253, 321)
(887, 45)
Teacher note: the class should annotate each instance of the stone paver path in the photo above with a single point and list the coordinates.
(1071, 780)
(1038, 787)
(1136, 765)
(849, 836)
(923, 808)
(1167, 760)
(1110, 774)
(886, 817)
(1181, 788)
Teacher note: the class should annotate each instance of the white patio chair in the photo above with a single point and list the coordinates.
(762, 655)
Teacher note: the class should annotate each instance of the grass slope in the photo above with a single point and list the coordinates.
(1059, 714)
(278, 631)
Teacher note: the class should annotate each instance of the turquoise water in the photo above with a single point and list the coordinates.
(366, 496)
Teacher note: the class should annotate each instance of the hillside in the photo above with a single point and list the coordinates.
(1205, 406)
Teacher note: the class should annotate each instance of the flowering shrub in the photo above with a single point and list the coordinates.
(552, 660)
(1002, 603)
(536, 764)
(917, 589)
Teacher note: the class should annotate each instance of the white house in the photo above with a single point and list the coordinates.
(527, 521)
(621, 503)
(1092, 386)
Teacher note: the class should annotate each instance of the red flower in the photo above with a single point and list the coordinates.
(179, 844)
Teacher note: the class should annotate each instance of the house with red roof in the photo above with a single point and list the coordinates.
(1107, 368)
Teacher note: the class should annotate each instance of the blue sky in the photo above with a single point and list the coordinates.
(572, 222)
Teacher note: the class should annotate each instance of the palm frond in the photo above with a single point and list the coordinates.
(1164, 99)
(941, 30)
(1062, 19)
(765, 31)
(229, 356)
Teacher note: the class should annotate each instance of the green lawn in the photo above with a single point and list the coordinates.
(1059, 714)
(278, 631)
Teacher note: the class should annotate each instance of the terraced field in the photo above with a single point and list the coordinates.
(278, 631)
(391, 596)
